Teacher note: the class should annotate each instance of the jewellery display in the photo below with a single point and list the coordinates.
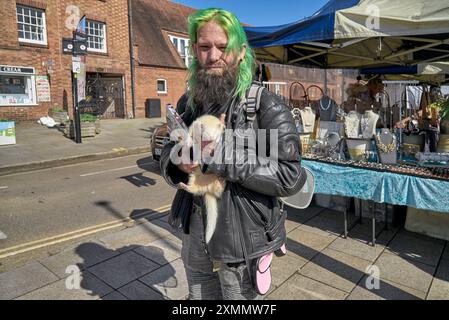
(358, 149)
(328, 111)
(352, 125)
(328, 105)
(305, 143)
(328, 127)
(368, 124)
(386, 146)
(334, 141)
(308, 119)
(434, 159)
(425, 172)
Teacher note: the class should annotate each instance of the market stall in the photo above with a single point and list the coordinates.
(368, 147)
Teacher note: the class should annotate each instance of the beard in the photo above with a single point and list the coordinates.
(214, 88)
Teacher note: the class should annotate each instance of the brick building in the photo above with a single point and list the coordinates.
(160, 51)
(34, 74)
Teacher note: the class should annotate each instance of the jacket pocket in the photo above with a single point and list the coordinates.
(259, 208)
(275, 229)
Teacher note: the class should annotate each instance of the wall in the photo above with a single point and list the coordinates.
(146, 86)
(113, 12)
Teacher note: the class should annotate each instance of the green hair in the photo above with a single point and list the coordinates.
(236, 40)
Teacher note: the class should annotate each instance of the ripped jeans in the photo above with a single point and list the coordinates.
(230, 282)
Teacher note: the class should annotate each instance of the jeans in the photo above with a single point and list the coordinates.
(226, 282)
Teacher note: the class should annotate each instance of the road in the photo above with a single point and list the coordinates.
(67, 200)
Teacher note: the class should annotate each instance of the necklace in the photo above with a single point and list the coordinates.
(368, 124)
(386, 148)
(364, 123)
(352, 126)
(328, 105)
(308, 120)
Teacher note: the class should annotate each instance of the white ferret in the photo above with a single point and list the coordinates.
(208, 185)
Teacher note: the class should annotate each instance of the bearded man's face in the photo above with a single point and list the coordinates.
(215, 86)
(218, 70)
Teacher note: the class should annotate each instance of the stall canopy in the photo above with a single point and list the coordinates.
(435, 72)
(359, 33)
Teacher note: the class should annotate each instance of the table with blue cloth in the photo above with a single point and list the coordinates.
(379, 186)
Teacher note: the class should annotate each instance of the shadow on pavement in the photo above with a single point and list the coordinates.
(149, 164)
(127, 271)
(139, 180)
(388, 291)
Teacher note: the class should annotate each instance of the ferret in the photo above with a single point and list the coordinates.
(208, 185)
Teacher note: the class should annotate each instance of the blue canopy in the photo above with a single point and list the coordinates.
(359, 33)
(318, 27)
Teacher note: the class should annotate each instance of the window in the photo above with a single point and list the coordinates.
(182, 46)
(161, 86)
(17, 86)
(96, 36)
(31, 25)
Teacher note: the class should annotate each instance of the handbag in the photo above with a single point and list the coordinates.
(181, 210)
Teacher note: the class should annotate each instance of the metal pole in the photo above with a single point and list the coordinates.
(76, 111)
(131, 53)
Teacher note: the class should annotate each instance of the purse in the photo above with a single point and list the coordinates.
(181, 210)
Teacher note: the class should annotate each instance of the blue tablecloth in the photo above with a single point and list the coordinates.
(381, 187)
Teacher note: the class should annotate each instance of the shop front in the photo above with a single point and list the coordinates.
(17, 86)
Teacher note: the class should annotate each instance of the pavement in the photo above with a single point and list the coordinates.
(39, 147)
(142, 260)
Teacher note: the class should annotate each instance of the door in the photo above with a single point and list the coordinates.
(107, 92)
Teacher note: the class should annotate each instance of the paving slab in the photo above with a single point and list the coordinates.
(114, 296)
(291, 225)
(446, 252)
(161, 251)
(299, 287)
(323, 226)
(83, 256)
(90, 288)
(338, 216)
(307, 244)
(357, 248)
(25, 279)
(387, 290)
(413, 274)
(417, 247)
(284, 267)
(133, 237)
(337, 269)
(169, 280)
(123, 269)
(301, 216)
(364, 232)
(136, 290)
(440, 285)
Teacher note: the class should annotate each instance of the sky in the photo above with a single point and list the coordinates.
(262, 12)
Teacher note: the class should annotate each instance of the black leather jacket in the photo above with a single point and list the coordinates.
(250, 197)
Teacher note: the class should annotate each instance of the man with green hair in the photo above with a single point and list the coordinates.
(250, 224)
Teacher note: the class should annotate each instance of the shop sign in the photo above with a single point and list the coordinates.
(8, 99)
(14, 69)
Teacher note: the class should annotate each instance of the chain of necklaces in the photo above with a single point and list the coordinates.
(328, 105)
